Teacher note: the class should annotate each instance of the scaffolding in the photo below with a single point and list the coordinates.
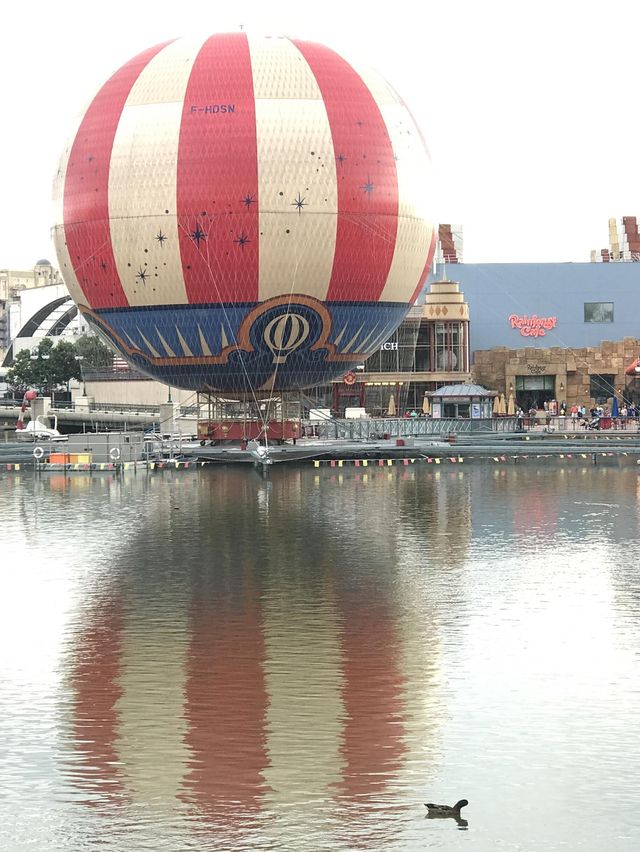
(272, 420)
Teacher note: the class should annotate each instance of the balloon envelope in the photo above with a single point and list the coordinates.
(244, 214)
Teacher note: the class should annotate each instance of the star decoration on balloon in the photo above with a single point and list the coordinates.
(160, 237)
(341, 158)
(242, 240)
(299, 203)
(368, 186)
(248, 200)
(142, 275)
(198, 235)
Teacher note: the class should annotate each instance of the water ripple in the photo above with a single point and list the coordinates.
(213, 660)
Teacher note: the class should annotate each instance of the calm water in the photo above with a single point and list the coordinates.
(212, 660)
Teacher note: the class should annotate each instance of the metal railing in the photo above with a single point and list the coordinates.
(105, 407)
(371, 429)
(123, 408)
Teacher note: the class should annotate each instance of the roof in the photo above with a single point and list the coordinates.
(462, 390)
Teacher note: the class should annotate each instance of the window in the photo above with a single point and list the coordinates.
(423, 348)
(598, 311)
(601, 388)
(446, 339)
(455, 409)
(397, 353)
(532, 383)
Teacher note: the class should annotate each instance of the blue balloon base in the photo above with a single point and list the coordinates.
(285, 343)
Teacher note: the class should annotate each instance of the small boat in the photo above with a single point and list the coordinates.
(39, 430)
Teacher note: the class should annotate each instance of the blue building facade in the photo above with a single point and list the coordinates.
(562, 331)
(543, 305)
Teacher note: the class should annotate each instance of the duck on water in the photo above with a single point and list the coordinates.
(447, 811)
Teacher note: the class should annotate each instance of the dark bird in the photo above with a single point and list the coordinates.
(445, 810)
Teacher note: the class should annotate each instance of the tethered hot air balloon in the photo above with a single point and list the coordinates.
(244, 215)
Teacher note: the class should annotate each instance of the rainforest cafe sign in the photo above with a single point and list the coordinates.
(533, 326)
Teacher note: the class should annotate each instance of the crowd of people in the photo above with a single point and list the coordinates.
(595, 417)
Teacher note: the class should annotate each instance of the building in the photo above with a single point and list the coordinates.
(563, 331)
(431, 348)
(560, 331)
(38, 312)
(449, 245)
(624, 243)
(47, 310)
(15, 282)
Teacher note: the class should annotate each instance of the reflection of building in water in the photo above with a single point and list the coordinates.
(535, 508)
(538, 501)
(232, 675)
(436, 507)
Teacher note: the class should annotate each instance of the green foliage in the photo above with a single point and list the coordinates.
(63, 364)
(52, 364)
(47, 367)
(94, 353)
(23, 372)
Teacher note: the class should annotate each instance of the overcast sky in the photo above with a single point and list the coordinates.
(529, 110)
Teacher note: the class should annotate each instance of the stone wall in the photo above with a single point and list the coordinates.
(497, 368)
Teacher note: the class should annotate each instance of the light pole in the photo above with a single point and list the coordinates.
(80, 359)
(37, 356)
(48, 380)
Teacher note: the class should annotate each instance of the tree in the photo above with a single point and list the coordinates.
(63, 364)
(22, 372)
(94, 353)
(46, 367)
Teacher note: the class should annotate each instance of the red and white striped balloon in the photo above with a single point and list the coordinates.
(236, 211)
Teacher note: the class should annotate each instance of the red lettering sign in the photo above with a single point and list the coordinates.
(533, 326)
